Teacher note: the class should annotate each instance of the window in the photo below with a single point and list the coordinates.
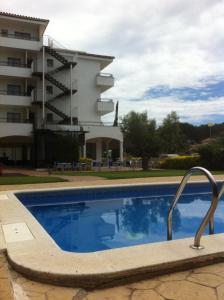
(13, 117)
(15, 62)
(49, 117)
(50, 62)
(23, 35)
(49, 89)
(13, 89)
(31, 117)
(4, 32)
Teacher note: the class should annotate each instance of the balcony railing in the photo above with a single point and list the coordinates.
(14, 64)
(106, 75)
(13, 93)
(15, 120)
(87, 123)
(15, 36)
(107, 100)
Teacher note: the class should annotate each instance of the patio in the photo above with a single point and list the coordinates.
(205, 283)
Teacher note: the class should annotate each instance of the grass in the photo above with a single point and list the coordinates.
(9, 180)
(130, 174)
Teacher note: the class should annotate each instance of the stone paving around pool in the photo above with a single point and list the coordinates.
(205, 283)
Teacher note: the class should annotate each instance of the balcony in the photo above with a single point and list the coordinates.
(16, 99)
(62, 127)
(17, 127)
(104, 81)
(19, 42)
(104, 106)
(15, 70)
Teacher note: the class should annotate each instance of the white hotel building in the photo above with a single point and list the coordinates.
(48, 88)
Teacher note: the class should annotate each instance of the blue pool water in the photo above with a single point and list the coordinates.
(106, 218)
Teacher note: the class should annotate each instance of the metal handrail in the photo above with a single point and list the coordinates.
(221, 192)
(208, 218)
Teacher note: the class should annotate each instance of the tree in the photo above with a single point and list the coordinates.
(140, 137)
(171, 136)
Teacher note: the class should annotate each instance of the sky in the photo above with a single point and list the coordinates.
(169, 55)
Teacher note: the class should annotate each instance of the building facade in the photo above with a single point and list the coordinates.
(47, 89)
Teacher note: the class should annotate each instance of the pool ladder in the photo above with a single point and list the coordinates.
(208, 218)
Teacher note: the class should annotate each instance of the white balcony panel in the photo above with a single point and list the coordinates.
(104, 81)
(62, 127)
(15, 71)
(15, 100)
(11, 42)
(104, 107)
(103, 131)
(9, 129)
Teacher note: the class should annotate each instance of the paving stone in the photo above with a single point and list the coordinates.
(57, 292)
(6, 296)
(174, 276)
(5, 289)
(211, 280)
(185, 290)
(34, 296)
(220, 292)
(119, 293)
(81, 295)
(146, 295)
(213, 269)
(144, 285)
(35, 286)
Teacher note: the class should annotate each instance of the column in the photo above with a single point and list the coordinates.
(99, 150)
(27, 114)
(84, 150)
(121, 151)
(43, 88)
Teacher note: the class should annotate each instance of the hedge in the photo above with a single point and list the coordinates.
(180, 162)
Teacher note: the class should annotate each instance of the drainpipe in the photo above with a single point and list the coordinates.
(26, 57)
(71, 93)
(43, 88)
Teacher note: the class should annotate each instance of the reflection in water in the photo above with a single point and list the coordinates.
(139, 216)
(105, 224)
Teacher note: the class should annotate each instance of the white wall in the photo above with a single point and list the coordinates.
(14, 101)
(103, 132)
(20, 26)
(20, 109)
(15, 129)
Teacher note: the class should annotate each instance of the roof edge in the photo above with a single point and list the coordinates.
(11, 15)
(84, 53)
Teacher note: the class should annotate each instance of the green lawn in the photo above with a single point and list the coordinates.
(5, 180)
(130, 174)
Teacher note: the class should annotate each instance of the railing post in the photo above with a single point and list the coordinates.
(210, 213)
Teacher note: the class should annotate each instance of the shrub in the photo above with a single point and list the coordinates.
(87, 161)
(180, 162)
(212, 156)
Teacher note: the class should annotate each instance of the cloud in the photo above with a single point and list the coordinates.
(197, 112)
(176, 44)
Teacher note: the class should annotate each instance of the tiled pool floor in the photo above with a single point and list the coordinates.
(206, 283)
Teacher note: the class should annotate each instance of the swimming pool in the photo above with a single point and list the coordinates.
(89, 220)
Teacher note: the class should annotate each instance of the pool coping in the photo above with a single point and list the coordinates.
(41, 258)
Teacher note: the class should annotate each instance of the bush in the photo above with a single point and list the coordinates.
(180, 162)
(87, 161)
(212, 156)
